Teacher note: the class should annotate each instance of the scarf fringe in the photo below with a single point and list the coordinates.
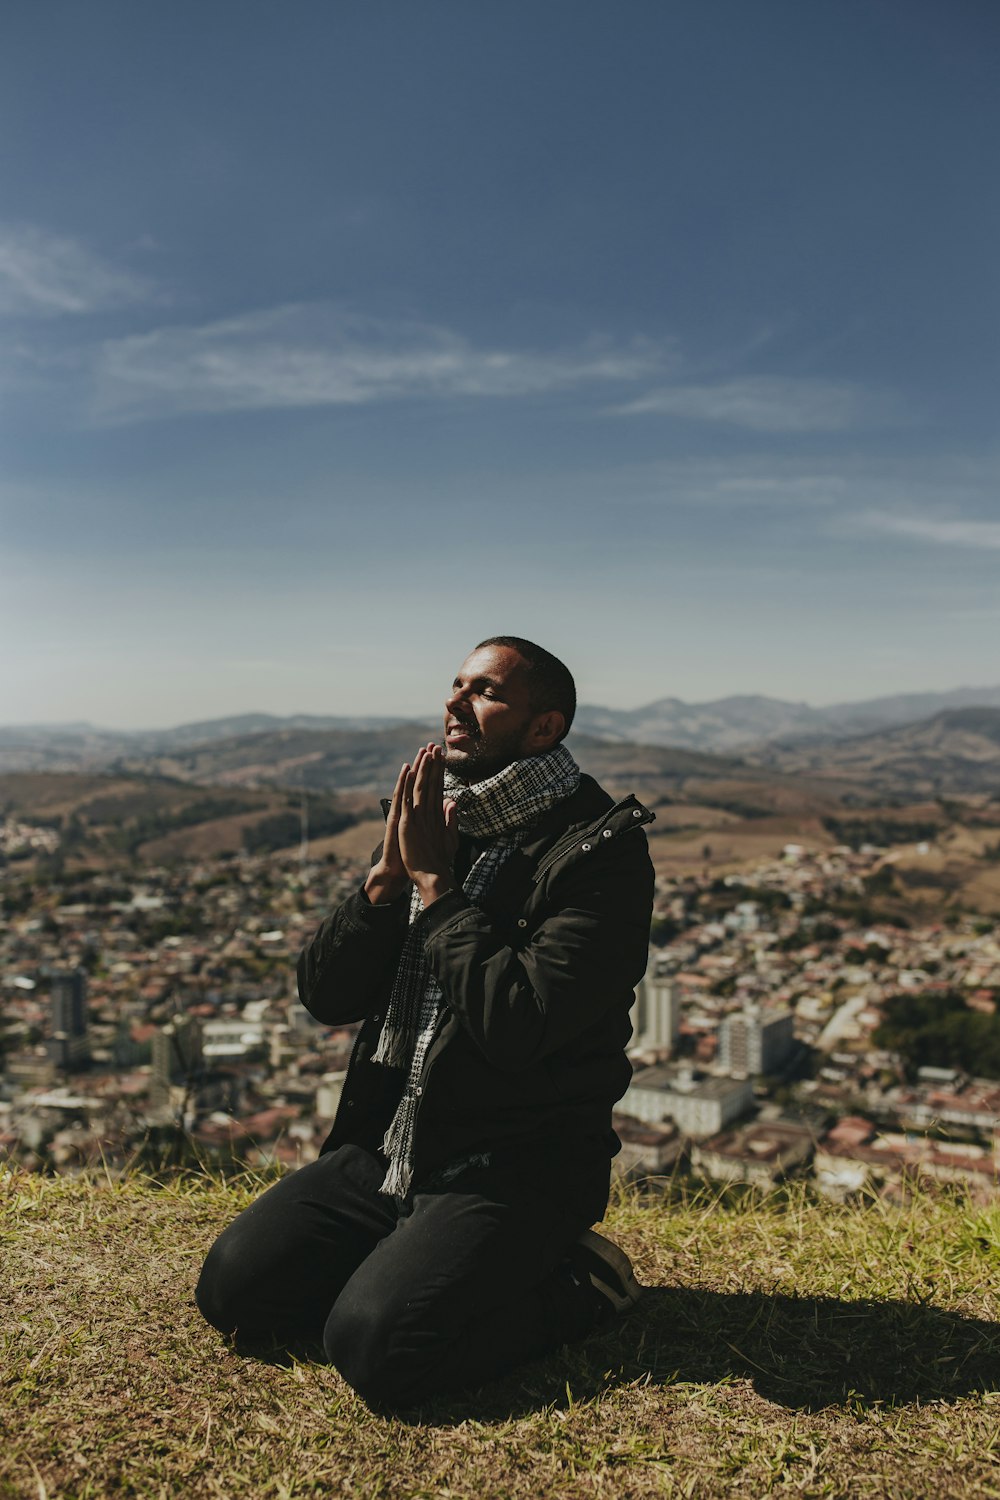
(398, 1177)
(392, 1049)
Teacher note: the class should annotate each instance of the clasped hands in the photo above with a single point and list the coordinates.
(421, 834)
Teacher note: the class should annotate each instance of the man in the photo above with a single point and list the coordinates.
(491, 956)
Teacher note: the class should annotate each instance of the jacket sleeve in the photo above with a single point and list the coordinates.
(343, 972)
(520, 1004)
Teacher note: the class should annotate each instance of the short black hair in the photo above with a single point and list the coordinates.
(550, 681)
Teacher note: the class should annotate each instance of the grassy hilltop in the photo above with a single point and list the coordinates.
(785, 1348)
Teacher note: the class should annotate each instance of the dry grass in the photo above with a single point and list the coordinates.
(738, 845)
(957, 863)
(352, 845)
(785, 1348)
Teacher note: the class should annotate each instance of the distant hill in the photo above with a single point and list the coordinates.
(723, 725)
(83, 747)
(316, 759)
(246, 792)
(957, 751)
(107, 817)
(906, 708)
(200, 731)
(342, 760)
(250, 792)
(720, 726)
(739, 723)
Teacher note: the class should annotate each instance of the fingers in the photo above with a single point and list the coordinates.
(428, 826)
(413, 779)
(397, 797)
(425, 784)
(435, 779)
(391, 841)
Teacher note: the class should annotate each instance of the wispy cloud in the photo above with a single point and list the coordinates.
(48, 274)
(943, 532)
(319, 355)
(768, 403)
(729, 480)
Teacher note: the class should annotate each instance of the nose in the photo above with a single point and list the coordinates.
(454, 700)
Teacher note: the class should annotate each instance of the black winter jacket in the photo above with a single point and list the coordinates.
(530, 1048)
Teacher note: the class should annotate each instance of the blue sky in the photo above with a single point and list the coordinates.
(336, 336)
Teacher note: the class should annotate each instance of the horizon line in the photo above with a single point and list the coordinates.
(67, 725)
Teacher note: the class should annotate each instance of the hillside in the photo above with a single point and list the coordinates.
(84, 747)
(720, 726)
(246, 792)
(317, 759)
(783, 1348)
(720, 813)
(368, 760)
(107, 818)
(748, 721)
(957, 751)
(711, 812)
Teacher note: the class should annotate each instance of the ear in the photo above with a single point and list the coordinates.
(547, 729)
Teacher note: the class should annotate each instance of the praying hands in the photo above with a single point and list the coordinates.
(421, 834)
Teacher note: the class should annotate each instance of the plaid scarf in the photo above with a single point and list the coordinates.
(500, 809)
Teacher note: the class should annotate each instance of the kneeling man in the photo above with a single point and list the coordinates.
(442, 1236)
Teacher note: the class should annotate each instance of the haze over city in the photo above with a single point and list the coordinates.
(336, 338)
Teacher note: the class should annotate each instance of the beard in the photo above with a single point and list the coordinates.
(486, 757)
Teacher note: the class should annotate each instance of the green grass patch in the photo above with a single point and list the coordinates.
(784, 1348)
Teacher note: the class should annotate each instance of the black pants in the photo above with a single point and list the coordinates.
(409, 1297)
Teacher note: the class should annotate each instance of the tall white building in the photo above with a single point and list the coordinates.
(656, 1013)
(754, 1041)
(176, 1057)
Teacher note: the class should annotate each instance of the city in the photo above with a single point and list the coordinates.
(151, 1020)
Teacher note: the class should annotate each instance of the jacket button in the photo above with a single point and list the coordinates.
(584, 846)
(376, 1018)
(521, 922)
(418, 1091)
(349, 1103)
(637, 812)
(606, 833)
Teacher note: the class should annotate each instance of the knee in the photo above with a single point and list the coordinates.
(359, 1342)
(218, 1293)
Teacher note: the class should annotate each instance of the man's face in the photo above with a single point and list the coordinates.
(488, 714)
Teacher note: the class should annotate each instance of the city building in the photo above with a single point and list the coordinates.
(176, 1059)
(233, 1037)
(69, 1044)
(328, 1092)
(656, 1013)
(853, 1157)
(752, 1042)
(972, 1104)
(762, 1153)
(646, 1150)
(698, 1106)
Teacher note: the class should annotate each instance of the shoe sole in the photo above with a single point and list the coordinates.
(608, 1253)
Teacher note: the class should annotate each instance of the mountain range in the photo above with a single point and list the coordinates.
(743, 724)
(936, 779)
(954, 751)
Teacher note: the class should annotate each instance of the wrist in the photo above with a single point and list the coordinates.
(381, 887)
(433, 887)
